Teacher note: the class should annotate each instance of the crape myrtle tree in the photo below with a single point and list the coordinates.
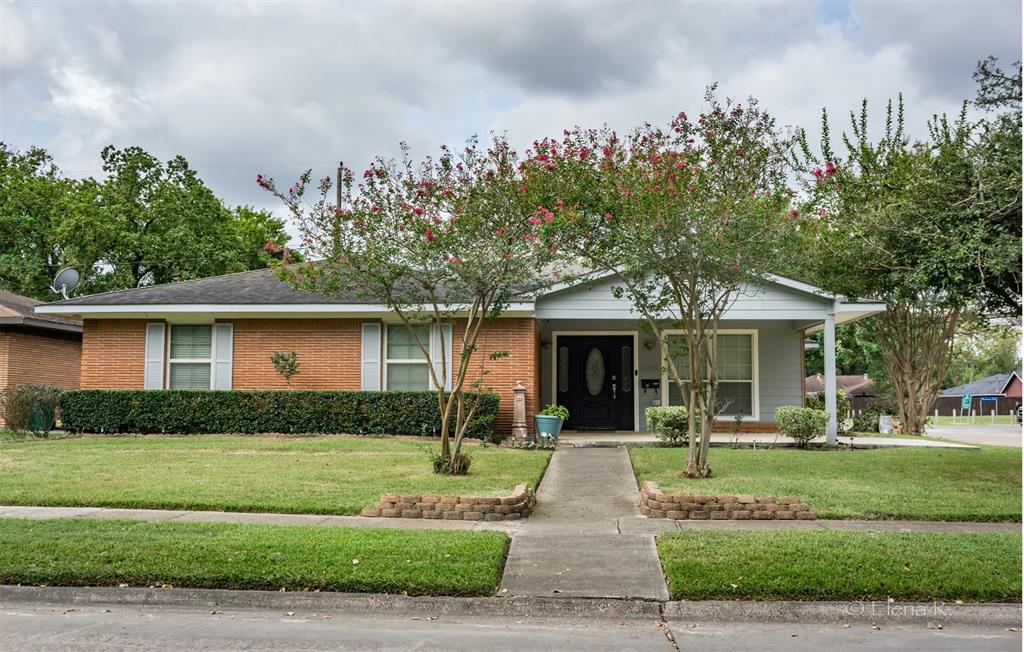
(441, 241)
(686, 218)
(895, 225)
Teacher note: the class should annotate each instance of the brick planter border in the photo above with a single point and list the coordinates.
(457, 508)
(656, 504)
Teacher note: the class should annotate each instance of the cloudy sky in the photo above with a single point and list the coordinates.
(274, 87)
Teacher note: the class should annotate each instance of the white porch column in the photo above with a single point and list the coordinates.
(830, 378)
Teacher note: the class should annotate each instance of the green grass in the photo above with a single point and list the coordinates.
(979, 420)
(83, 552)
(321, 475)
(906, 484)
(831, 565)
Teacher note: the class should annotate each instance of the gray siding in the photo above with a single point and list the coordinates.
(771, 301)
(780, 346)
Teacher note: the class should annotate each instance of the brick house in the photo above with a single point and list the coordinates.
(999, 392)
(37, 349)
(575, 344)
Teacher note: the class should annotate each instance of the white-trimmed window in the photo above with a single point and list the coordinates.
(190, 357)
(737, 372)
(405, 365)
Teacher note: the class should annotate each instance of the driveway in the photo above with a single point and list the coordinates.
(992, 435)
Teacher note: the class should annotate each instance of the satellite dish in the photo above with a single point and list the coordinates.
(66, 281)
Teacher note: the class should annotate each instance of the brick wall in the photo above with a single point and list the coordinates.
(328, 352)
(113, 353)
(519, 337)
(40, 359)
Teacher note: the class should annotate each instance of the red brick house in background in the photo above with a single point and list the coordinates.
(576, 344)
(37, 349)
(999, 392)
(859, 389)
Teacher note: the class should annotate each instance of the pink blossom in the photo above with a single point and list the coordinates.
(830, 168)
(607, 151)
(822, 212)
(793, 213)
(735, 269)
(454, 260)
(417, 210)
(608, 216)
(534, 220)
(817, 173)
(374, 208)
(691, 187)
(429, 234)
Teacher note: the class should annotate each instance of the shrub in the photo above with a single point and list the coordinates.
(552, 410)
(669, 424)
(286, 365)
(305, 411)
(867, 420)
(29, 408)
(802, 424)
(816, 401)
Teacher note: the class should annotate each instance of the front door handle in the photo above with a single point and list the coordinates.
(613, 391)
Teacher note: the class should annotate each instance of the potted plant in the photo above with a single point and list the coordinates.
(549, 422)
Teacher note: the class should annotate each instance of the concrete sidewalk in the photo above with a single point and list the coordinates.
(631, 523)
(572, 544)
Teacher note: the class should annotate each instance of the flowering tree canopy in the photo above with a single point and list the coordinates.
(686, 217)
(442, 241)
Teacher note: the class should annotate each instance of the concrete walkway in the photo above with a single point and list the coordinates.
(572, 545)
(628, 524)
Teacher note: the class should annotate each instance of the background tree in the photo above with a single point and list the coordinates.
(857, 352)
(145, 222)
(442, 242)
(35, 201)
(686, 218)
(981, 350)
(996, 197)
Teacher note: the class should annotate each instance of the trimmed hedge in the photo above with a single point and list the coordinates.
(196, 412)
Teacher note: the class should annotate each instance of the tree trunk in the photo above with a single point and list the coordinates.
(916, 345)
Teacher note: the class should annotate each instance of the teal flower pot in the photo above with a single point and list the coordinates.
(547, 427)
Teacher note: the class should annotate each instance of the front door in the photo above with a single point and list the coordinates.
(594, 381)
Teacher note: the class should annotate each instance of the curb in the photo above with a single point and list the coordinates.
(984, 614)
(907, 613)
(352, 603)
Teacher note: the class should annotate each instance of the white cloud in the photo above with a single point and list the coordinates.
(240, 88)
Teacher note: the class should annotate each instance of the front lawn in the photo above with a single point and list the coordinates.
(907, 484)
(84, 552)
(833, 565)
(320, 475)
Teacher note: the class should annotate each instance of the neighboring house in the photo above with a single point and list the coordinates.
(999, 392)
(575, 344)
(37, 349)
(859, 389)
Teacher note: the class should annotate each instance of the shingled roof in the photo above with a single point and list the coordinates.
(988, 386)
(256, 287)
(18, 310)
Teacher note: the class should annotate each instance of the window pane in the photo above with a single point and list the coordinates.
(190, 375)
(627, 369)
(679, 351)
(735, 357)
(735, 398)
(191, 341)
(402, 345)
(407, 376)
(563, 369)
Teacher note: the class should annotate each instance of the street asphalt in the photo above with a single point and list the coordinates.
(988, 434)
(27, 626)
